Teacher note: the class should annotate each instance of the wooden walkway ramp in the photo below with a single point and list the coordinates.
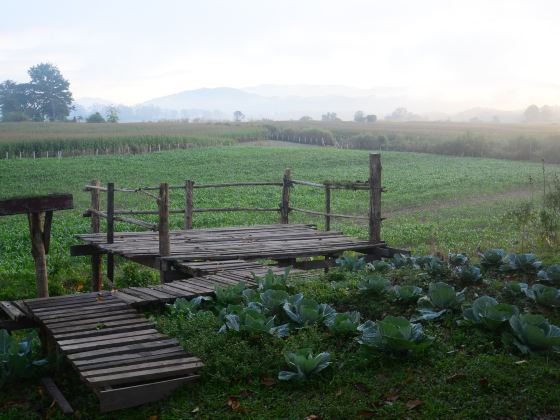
(114, 348)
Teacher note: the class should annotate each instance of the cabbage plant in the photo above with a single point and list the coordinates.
(534, 333)
(273, 300)
(492, 259)
(468, 275)
(184, 308)
(273, 281)
(403, 261)
(393, 334)
(521, 263)
(432, 265)
(375, 285)
(515, 288)
(351, 263)
(407, 294)
(550, 274)
(16, 358)
(457, 260)
(230, 294)
(254, 322)
(487, 312)
(544, 295)
(304, 311)
(441, 298)
(343, 323)
(304, 364)
(379, 266)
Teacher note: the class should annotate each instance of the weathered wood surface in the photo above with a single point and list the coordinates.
(56, 395)
(115, 350)
(36, 204)
(253, 242)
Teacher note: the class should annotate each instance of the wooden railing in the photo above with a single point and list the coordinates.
(112, 215)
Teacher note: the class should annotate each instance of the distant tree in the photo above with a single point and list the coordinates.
(371, 118)
(111, 114)
(532, 114)
(359, 116)
(95, 118)
(402, 114)
(306, 118)
(546, 113)
(49, 93)
(330, 116)
(13, 101)
(238, 116)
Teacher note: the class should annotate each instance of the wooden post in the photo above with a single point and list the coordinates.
(285, 205)
(39, 254)
(110, 229)
(327, 207)
(375, 197)
(163, 226)
(96, 260)
(189, 189)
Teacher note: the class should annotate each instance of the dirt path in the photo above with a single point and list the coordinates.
(454, 203)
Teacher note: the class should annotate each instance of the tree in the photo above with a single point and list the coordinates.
(330, 116)
(306, 118)
(359, 116)
(13, 101)
(95, 118)
(112, 115)
(532, 114)
(371, 118)
(50, 96)
(238, 116)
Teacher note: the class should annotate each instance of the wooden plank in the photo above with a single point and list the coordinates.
(108, 344)
(130, 358)
(152, 292)
(138, 366)
(145, 375)
(113, 336)
(89, 316)
(95, 320)
(102, 332)
(35, 204)
(153, 345)
(144, 296)
(95, 325)
(84, 309)
(129, 299)
(12, 310)
(115, 399)
(56, 395)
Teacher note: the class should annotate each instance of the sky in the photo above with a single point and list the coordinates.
(493, 53)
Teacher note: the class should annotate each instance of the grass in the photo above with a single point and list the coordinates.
(467, 373)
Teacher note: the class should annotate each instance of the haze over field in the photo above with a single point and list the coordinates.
(174, 59)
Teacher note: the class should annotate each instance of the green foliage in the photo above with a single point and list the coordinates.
(351, 263)
(441, 298)
(131, 274)
(402, 261)
(184, 308)
(17, 358)
(343, 323)
(492, 259)
(379, 266)
(534, 333)
(468, 275)
(253, 322)
(457, 260)
(487, 312)
(230, 295)
(273, 281)
(305, 311)
(273, 300)
(304, 364)
(407, 294)
(515, 288)
(96, 117)
(432, 265)
(521, 263)
(544, 295)
(375, 285)
(393, 334)
(550, 274)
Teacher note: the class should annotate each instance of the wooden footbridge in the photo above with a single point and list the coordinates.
(112, 346)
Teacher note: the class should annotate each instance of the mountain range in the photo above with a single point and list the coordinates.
(288, 102)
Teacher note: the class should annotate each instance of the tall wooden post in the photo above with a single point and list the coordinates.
(189, 189)
(39, 253)
(163, 226)
(110, 229)
(285, 205)
(327, 207)
(375, 197)
(96, 260)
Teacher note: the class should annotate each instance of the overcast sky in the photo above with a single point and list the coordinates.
(490, 53)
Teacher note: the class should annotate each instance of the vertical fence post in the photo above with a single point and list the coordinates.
(374, 197)
(96, 262)
(110, 229)
(285, 205)
(39, 253)
(327, 207)
(189, 189)
(163, 227)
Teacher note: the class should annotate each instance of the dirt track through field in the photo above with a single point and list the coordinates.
(454, 203)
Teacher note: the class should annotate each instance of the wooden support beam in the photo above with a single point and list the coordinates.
(110, 229)
(327, 207)
(39, 254)
(163, 227)
(35, 204)
(96, 260)
(374, 197)
(285, 205)
(189, 189)
(57, 396)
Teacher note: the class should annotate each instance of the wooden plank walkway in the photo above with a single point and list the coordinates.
(115, 350)
(277, 242)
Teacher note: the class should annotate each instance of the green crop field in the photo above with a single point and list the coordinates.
(432, 204)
